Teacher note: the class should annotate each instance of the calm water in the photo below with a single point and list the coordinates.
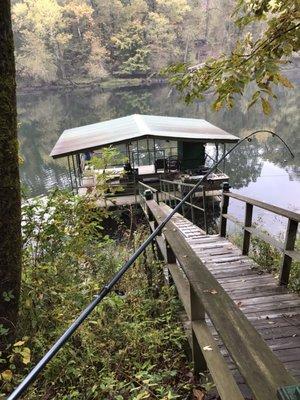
(260, 169)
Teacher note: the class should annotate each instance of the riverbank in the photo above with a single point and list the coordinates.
(105, 85)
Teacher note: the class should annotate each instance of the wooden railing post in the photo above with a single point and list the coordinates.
(174, 194)
(192, 208)
(290, 238)
(224, 209)
(197, 314)
(204, 209)
(248, 223)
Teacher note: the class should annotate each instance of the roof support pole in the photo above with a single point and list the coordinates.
(75, 175)
(138, 153)
(217, 151)
(128, 152)
(70, 173)
(148, 150)
(224, 161)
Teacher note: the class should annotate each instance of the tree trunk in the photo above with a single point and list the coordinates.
(10, 197)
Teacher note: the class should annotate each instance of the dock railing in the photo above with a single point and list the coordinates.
(174, 191)
(202, 296)
(287, 247)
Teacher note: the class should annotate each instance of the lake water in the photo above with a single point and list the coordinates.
(261, 169)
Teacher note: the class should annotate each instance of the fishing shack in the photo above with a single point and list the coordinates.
(154, 148)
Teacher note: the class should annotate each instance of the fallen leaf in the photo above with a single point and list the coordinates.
(7, 375)
(198, 394)
(26, 355)
(20, 343)
(239, 304)
(207, 348)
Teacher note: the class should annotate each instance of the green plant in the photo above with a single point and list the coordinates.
(131, 347)
(268, 259)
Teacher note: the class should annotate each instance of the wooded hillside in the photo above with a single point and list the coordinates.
(96, 39)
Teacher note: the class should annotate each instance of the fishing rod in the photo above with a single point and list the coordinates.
(108, 287)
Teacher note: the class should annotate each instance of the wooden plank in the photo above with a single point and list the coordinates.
(265, 206)
(225, 383)
(239, 336)
(294, 254)
(182, 286)
(233, 219)
(265, 237)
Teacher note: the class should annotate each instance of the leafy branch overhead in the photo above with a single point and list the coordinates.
(269, 31)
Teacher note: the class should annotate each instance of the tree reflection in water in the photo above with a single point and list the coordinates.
(43, 116)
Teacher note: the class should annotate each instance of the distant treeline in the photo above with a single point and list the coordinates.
(60, 41)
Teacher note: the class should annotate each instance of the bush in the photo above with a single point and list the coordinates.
(132, 345)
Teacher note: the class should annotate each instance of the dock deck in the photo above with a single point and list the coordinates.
(270, 310)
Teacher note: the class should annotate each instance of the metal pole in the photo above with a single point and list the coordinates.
(75, 175)
(108, 287)
(70, 172)
(148, 150)
(204, 209)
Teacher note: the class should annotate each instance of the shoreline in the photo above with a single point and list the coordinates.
(107, 85)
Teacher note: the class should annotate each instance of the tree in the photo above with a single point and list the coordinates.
(10, 197)
(255, 59)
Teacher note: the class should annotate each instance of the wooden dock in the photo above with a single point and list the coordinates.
(243, 326)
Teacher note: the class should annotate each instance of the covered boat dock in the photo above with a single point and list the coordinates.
(154, 147)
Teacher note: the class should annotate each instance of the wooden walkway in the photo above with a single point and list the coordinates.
(274, 312)
(271, 310)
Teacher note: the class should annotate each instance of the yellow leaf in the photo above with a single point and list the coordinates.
(20, 343)
(26, 355)
(218, 105)
(266, 106)
(7, 375)
(284, 81)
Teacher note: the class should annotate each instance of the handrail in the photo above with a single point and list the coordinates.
(260, 367)
(287, 248)
(266, 206)
(108, 287)
(148, 187)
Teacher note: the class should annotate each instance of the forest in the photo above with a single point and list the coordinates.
(75, 41)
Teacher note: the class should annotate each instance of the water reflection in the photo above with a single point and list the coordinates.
(43, 116)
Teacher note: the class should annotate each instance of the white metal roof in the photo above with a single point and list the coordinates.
(134, 127)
